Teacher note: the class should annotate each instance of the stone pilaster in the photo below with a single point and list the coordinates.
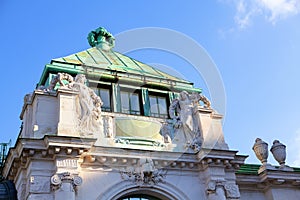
(65, 185)
(67, 113)
(218, 170)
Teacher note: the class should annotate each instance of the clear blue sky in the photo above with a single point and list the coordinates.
(255, 44)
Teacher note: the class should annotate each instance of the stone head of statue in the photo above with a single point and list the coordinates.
(80, 78)
(184, 95)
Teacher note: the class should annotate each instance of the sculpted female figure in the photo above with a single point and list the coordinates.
(186, 125)
(88, 107)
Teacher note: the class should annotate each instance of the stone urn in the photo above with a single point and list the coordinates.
(279, 152)
(260, 149)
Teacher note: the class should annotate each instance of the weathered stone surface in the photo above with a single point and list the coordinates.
(39, 184)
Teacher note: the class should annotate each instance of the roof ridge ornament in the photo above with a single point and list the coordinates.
(101, 38)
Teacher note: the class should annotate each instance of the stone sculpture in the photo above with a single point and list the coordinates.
(101, 36)
(88, 104)
(260, 149)
(186, 123)
(27, 98)
(220, 190)
(88, 108)
(279, 152)
(144, 173)
(108, 126)
(165, 132)
(59, 79)
(196, 97)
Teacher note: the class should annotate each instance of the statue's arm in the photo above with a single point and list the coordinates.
(173, 108)
(91, 38)
(205, 100)
(95, 97)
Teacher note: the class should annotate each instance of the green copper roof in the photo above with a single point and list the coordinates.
(248, 169)
(114, 61)
(253, 169)
(101, 63)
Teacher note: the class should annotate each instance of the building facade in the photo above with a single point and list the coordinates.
(101, 125)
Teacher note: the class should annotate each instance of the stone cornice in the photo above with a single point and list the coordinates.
(44, 148)
(116, 157)
(50, 147)
(269, 178)
(204, 110)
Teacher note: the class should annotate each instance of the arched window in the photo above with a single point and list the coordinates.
(139, 197)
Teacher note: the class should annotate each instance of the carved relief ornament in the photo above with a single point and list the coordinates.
(144, 173)
(230, 190)
(57, 179)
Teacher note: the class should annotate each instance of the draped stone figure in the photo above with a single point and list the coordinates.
(88, 108)
(184, 113)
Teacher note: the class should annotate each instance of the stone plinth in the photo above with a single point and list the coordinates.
(211, 128)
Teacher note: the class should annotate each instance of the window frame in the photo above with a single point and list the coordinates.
(96, 88)
(130, 91)
(139, 197)
(159, 95)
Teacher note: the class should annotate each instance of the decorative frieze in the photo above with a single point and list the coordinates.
(225, 163)
(102, 159)
(220, 190)
(232, 191)
(186, 162)
(57, 149)
(138, 141)
(144, 173)
(69, 151)
(66, 163)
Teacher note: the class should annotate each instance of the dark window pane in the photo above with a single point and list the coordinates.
(153, 105)
(125, 102)
(135, 103)
(158, 106)
(130, 103)
(162, 105)
(105, 97)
